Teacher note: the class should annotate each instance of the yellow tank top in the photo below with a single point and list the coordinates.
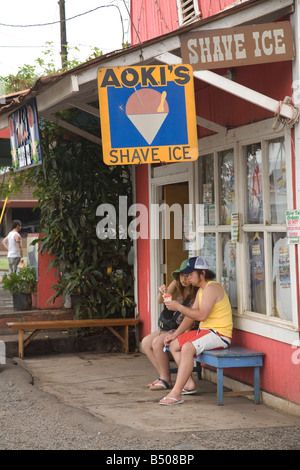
(220, 318)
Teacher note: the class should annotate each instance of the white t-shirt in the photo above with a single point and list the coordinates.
(13, 251)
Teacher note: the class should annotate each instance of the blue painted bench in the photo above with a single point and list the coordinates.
(234, 356)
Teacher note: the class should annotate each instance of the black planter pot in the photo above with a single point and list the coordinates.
(22, 301)
(75, 298)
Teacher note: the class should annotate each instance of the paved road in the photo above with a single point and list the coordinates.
(99, 401)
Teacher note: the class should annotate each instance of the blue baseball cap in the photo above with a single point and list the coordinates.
(198, 262)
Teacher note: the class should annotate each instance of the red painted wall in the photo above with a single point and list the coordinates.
(210, 8)
(143, 254)
(280, 374)
(273, 80)
(152, 19)
(4, 133)
(45, 281)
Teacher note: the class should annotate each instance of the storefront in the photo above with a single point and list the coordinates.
(232, 200)
(248, 172)
(238, 192)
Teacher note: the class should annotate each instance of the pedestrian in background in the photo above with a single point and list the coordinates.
(13, 244)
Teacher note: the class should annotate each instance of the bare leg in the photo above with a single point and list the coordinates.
(176, 353)
(163, 361)
(185, 370)
(147, 344)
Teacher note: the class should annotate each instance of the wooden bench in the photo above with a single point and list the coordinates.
(35, 326)
(234, 356)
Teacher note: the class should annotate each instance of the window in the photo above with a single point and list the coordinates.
(256, 271)
(268, 290)
(216, 194)
(254, 212)
(227, 191)
(277, 181)
(281, 299)
(187, 10)
(228, 279)
(207, 194)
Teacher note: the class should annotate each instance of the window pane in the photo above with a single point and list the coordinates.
(227, 193)
(254, 182)
(208, 249)
(229, 268)
(256, 264)
(282, 300)
(207, 197)
(277, 181)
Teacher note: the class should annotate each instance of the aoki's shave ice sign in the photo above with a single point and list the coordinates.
(147, 114)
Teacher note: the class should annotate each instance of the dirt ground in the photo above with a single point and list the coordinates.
(32, 419)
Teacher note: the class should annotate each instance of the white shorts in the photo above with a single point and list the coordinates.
(203, 340)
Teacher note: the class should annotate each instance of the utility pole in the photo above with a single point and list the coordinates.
(63, 34)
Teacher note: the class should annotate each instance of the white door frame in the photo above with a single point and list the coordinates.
(161, 176)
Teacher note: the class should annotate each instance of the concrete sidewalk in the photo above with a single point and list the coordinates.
(113, 387)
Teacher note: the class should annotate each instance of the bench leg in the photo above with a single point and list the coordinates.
(256, 385)
(220, 385)
(126, 339)
(198, 369)
(21, 344)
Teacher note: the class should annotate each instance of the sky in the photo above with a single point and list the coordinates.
(101, 28)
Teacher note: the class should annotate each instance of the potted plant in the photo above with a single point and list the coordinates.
(21, 285)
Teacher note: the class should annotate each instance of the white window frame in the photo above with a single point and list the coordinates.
(237, 139)
(180, 8)
(161, 176)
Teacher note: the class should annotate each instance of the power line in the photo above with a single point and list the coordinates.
(56, 22)
(36, 47)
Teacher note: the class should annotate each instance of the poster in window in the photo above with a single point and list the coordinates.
(281, 277)
(257, 274)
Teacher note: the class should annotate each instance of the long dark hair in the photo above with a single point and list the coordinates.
(190, 296)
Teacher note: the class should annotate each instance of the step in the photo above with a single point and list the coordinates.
(32, 315)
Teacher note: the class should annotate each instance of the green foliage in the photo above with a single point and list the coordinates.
(71, 183)
(45, 65)
(25, 78)
(23, 282)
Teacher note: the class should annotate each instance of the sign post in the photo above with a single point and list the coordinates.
(147, 114)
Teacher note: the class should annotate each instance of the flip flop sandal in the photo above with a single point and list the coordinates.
(188, 392)
(160, 386)
(174, 400)
(151, 384)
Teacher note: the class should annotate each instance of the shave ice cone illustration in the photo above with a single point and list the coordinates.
(147, 109)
